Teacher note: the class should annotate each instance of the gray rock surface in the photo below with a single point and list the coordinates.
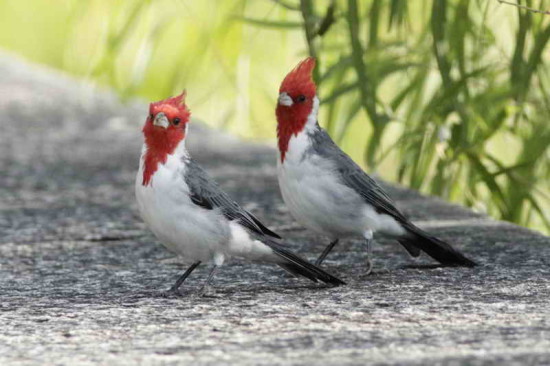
(80, 273)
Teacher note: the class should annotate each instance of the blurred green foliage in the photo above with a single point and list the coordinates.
(448, 97)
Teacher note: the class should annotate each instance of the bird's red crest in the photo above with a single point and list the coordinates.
(175, 104)
(298, 90)
(299, 80)
(162, 141)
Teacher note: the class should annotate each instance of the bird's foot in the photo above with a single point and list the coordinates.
(207, 292)
(368, 237)
(369, 266)
(172, 293)
(327, 250)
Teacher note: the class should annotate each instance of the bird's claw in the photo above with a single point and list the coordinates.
(173, 292)
(206, 292)
(369, 266)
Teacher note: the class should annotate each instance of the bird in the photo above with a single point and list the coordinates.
(327, 192)
(190, 214)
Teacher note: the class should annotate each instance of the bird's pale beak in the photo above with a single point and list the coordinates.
(285, 99)
(161, 120)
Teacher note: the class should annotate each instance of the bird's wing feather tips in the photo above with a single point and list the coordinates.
(206, 193)
(371, 192)
(435, 248)
(300, 267)
(411, 249)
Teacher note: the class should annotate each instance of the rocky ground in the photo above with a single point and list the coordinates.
(80, 274)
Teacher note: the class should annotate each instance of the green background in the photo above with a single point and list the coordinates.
(448, 97)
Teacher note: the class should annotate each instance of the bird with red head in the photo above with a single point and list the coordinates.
(326, 191)
(295, 103)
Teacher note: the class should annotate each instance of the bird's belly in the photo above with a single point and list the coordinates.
(319, 202)
(184, 228)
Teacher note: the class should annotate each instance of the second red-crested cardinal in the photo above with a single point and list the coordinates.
(190, 214)
(326, 191)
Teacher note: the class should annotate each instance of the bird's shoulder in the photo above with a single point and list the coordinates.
(206, 193)
(352, 175)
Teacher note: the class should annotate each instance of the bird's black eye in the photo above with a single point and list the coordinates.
(151, 116)
(301, 98)
(176, 121)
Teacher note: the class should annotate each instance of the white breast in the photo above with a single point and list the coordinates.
(316, 197)
(184, 228)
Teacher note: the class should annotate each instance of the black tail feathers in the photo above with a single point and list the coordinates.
(435, 248)
(300, 267)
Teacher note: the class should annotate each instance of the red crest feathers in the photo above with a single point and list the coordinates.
(177, 103)
(299, 80)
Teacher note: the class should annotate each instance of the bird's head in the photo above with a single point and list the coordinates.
(297, 101)
(164, 129)
(166, 124)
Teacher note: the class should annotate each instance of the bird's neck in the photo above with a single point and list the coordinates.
(157, 154)
(289, 125)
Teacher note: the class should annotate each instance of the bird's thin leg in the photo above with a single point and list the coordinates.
(206, 286)
(368, 237)
(174, 290)
(327, 250)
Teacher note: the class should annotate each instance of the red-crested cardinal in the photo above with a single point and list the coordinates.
(190, 214)
(327, 192)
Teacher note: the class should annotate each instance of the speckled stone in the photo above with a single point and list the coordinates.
(80, 274)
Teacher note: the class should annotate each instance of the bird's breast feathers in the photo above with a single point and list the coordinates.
(315, 194)
(186, 228)
(167, 209)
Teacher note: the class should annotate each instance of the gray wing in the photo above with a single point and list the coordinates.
(206, 193)
(354, 177)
